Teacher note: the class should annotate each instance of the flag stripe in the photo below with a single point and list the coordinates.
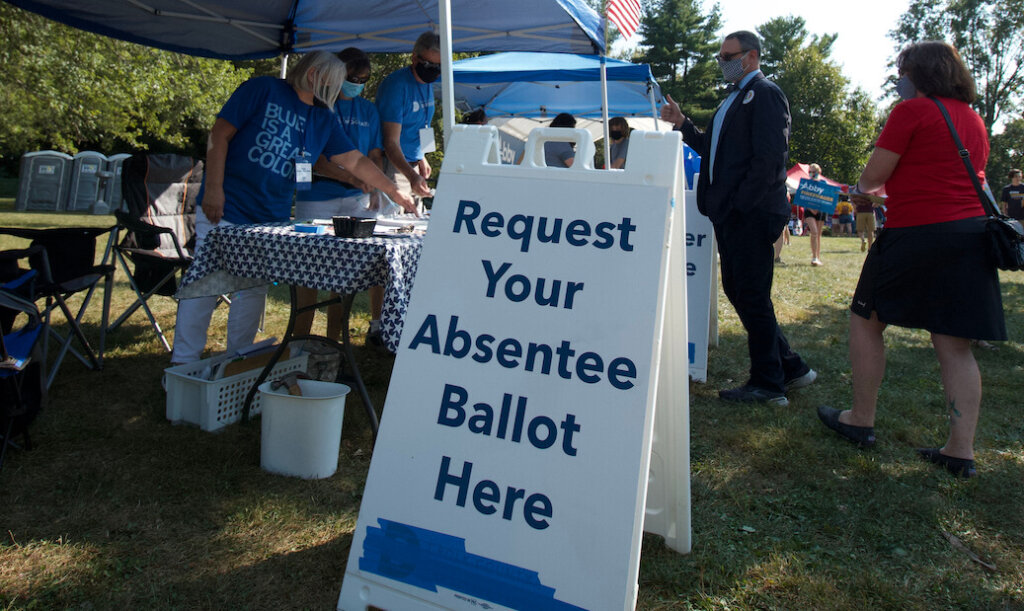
(625, 14)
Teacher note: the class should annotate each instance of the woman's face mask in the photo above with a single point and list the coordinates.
(905, 89)
(615, 134)
(352, 90)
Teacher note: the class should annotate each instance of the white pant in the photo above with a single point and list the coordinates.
(356, 205)
(193, 319)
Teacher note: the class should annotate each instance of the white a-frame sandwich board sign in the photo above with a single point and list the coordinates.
(511, 467)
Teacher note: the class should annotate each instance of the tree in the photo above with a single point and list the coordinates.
(831, 125)
(680, 42)
(66, 89)
(989, 34)
(1007, 151)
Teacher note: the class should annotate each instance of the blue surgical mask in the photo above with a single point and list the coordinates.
(351, 90)
(905, 89)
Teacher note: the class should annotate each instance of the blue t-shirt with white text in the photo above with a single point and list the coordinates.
(274, 127)
(361, 123)
(404, 100)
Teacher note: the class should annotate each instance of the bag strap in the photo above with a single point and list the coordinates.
(965, 156)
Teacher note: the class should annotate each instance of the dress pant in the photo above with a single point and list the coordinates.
(745, 244)
(193, 320)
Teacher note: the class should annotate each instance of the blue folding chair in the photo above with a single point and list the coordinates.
(22, 380)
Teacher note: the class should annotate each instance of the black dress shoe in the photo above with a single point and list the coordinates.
(863, 436)
(960, 467)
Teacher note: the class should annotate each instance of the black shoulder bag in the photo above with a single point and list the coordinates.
(1006, 235)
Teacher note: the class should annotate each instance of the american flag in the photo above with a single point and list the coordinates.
(625, 14)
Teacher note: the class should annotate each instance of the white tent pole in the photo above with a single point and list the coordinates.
(284, 65)
(654, 107)
(447, 73)
(604, 91)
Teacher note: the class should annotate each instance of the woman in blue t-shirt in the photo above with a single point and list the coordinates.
(337, 192)
(261, 149)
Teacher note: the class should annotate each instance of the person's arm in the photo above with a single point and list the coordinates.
(365, 170)
(619, 163)
(391, 134)
(878, 170)
(1004, 202)
(216, 158)
(324, 167)
(692, 136)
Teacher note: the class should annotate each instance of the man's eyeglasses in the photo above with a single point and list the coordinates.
(357, 80)
(429, 65)
(728, 57)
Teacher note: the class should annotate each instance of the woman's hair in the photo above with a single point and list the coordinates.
(328, 73)
(935, 68)
(356, 60)
(563, 119)
(619, 122)
(814, 168)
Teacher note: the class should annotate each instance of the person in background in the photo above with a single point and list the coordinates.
(477, 117)
(865, 221)
(742, 189)
(930, 267)
(814, 221)
(1013, 196)
(250, 178)
(618, 133)
(560, 154)
(337, 192)
(405, 100)
(844, 211)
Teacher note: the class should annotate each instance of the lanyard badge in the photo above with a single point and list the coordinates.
(303, 171)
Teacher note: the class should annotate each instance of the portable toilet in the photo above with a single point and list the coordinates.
(87, 176)
(112, 190)
(43, 181)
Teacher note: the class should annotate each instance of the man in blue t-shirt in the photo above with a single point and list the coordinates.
(405, 100)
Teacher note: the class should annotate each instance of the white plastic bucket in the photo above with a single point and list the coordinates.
(301, 435)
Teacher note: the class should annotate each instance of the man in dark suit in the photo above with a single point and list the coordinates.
(742, 189)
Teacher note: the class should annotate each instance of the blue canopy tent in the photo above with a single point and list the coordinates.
(243, 29)
(538, 85)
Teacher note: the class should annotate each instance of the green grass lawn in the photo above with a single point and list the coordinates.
(117, 508)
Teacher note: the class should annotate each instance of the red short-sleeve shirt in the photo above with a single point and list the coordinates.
(930, 183)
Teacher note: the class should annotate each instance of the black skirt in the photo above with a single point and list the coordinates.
(936, 277)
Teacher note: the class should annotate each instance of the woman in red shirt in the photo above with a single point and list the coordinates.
(930, 267)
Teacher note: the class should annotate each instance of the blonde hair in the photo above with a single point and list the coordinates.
(328, 75)
(814, 168)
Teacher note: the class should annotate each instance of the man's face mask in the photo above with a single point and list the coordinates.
(732, 68)
(427, 71)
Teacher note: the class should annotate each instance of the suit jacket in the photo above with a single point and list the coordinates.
(751, 157)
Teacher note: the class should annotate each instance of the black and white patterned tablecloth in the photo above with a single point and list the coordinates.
(243, 256)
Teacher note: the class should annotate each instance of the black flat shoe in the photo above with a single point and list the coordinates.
(863, 436)
(960, 467)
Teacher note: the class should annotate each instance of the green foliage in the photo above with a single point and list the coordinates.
(831, 125)
(66, 89)
(679, 43)
(1007, 151)
(990, 37)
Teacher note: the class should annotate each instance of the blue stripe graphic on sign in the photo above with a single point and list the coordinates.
(428, 559)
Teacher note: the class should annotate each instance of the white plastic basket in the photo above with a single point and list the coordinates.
(213, 404)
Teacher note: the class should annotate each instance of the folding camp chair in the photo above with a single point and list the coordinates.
(22, 387)
(66, 266)
(158, 220)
